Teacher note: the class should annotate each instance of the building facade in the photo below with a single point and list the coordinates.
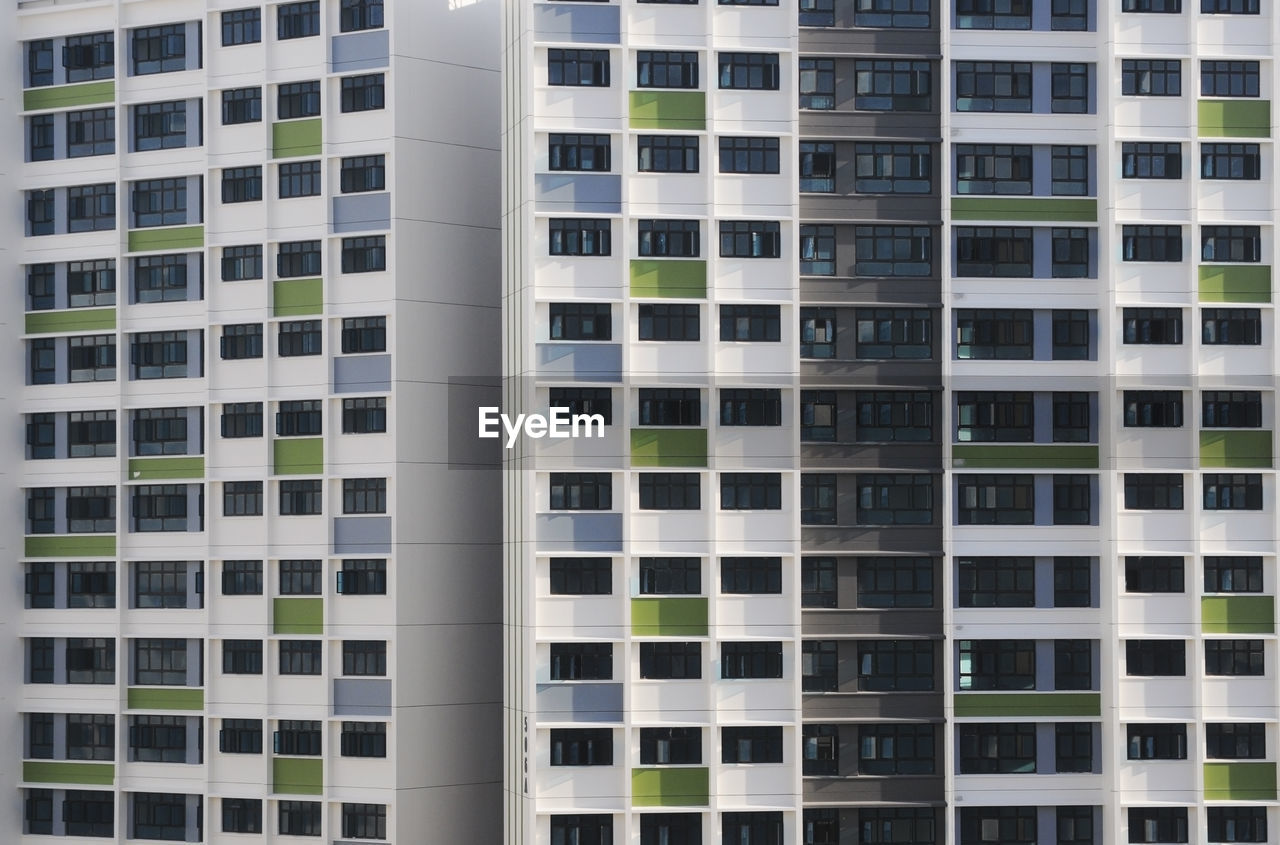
(1024, 526)
(249, 246)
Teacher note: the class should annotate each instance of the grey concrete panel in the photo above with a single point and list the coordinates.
(362, 374)
(577, 24)
(361, 535)
(587, 193)
(362, 212)
(584, 361)
(579, 532)
(579, 702)
(360, 50)
(870, 705)
(361, 697)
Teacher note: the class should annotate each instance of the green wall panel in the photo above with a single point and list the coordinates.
(669, 447)
(668, 110)
(58, 771)
(166, 238)
(297, 297)
(669, 278)
(66, 96)
(1240, 781)
(1235, 283)
(160, 469)
(669, 617)
(682, 787)
(1017, 455)
(1002, 705)
(297, 775)
(1235, 448)
(1238, 614)
(71, 320)
(1234, 118)
(297, 616)
(70, 545)
(166, 698)
(296, 138)
(1025, 209)
(298, 456)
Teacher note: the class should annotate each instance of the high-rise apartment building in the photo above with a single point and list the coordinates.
(919, 518)
(248, 245)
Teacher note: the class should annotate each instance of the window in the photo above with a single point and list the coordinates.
(581, 491)
(1003, 748)
(364, 495)
(670, 746)
(669, 322)
(886, 85)
(1151, 77)
(983, 14)
(161, 278)
(1155, 657)
(159, 815)
(996, 499)
(817, 332)
(581, 576)
(750, 239)
(363, 93)
(588, 68)
(162, 507)
(1231, 326)
(240, 736)
(817, 250)
(751, 744)
(39, 660)
(1230, 161)
(1070, 15)
(92, 585)
(579, 236)
(364, 821)
(298, 99)
(40, 510)
(89, 133)
(582, 747)
(241, 341)
(1152, 243)
(1231, 243)
(891, 416)
(1157, 741)
(297, 179)
(750, 575)
(242, 498)
(242, 184)
(820, 747)
(160, 662)
(363, 578)
(899, 826)
(300, 498)
(88, 736)
(1005, 825)
(749, 155)
(1153, 325)
(984, 417)
(356, 15)
(1233, 575)
(363, 173)
(891, 168)
(895, 665)
(994, 251)
(1073, 665)
(1153, 408)
(301, 578)
(750, 323)
(584, 829)
(580, 321)
(159, 355)
(1153, 491)
(750, 660)
(41, 434)
(817, 84)
(670, 576)
(670, 491)
(86, 813)
(1158, 824)
(364, 416)
(996, 582)
(886, 582)
(92, 208)
(818, 499)
(893, 14)
(581, 661)
(994, 334)
(160, 49)
(758, 828)
(242, 657)
(87, 57)
(297, 20)
(751, 71)
(750, 406)
(993, 86)
(997, 664)
(364, 657)
(241, 262)
(1232, 492)
(1229, 79)
(1069, 88)
(241, 105)
(818, 583)
(670, 828)
(300, 657)
(1237, 824)
(298, 337)
(91, 434)
(669, 238)
(993, 169)
(887, 333)
(363, 739)
(1143, 574)
(1167, 7)
(242, 578)
(592, 401)
(667, 154)
(895, 499)
(896, 749)
(364, 255)
(242, 26)
(159, 126)
(1070, 252)
(242, 419)
(161, 584)
(40, 285)
(750, 491)
(671, 660)
(1236, 741)
(1151, 161)
(364, 334)
(159, 202)
(1231, 409)
(40, 210)
(666, 69)
(241, 815)
(578, 152)
(1072, 582)
(300, 818)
